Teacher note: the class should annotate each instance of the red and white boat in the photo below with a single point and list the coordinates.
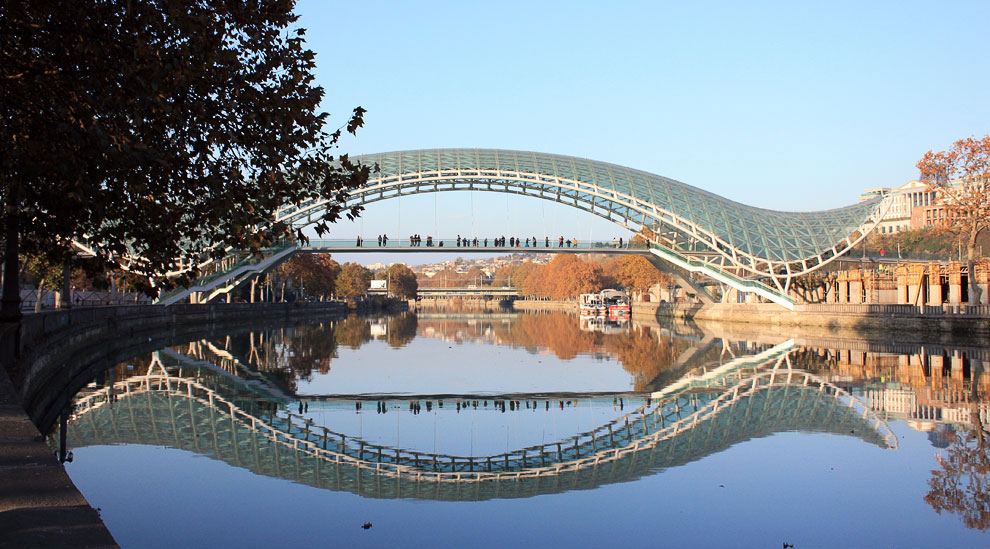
(616, 304)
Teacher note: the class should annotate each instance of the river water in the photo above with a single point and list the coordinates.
(494, 429)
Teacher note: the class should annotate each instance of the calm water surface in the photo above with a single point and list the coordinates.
(493, 430)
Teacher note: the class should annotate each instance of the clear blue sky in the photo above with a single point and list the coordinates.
(783, 105)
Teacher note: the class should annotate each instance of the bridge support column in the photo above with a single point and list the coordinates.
(855, 287)
(955, 283)
(935, 296)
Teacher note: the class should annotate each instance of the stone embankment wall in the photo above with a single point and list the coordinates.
(53, 349)
(943, 320)
(964, 321)
(540, 305)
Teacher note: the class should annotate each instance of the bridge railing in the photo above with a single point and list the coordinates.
(526, 243)
(207, 281)
(736, 281)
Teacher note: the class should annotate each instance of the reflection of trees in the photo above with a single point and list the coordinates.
(353, 331)
(310, 348)
(962, 485)
(558, 332)
(641, 352)
(643, 355)
(401, 329)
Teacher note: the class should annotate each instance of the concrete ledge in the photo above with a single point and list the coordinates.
(39, 505)
(855, 319)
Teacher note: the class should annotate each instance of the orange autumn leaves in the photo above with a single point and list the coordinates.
(568, 276)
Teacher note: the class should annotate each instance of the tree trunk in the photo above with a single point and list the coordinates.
(65, 297)
(974, 287)
(37, 302)
(10, 304)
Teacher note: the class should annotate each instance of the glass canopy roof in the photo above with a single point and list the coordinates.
(773, 235)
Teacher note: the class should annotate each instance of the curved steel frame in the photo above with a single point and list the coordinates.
(792, 243)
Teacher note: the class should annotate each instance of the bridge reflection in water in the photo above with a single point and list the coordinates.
(698, 415)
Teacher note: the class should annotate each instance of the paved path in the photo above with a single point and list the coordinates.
(39, 505)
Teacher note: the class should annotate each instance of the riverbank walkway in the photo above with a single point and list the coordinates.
(39, 505)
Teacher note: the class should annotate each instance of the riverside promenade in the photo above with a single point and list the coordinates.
(39, 504)
(955, 320)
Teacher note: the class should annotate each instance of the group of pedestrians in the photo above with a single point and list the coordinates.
(467, 242)
(416, 241)
(416, 407)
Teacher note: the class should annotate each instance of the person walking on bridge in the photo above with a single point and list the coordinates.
(379, 240)
(560, 242)
(546, 241)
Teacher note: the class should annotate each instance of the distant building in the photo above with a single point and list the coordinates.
(909, 205)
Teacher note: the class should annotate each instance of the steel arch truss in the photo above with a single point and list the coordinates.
(700, 226)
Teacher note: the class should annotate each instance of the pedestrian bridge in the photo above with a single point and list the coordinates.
(743, 247)
(702, 415)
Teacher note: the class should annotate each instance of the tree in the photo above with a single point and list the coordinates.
(353, 281)
(401, 281)
(317, 273)
(960, 178)
(159, 130)
(636, 273)
(47, 275)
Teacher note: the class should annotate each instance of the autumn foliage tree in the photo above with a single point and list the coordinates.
(317, 273)
(353, 281)
(635, 273)
(401, 281)
(960, 178)
(159, 130)
(567, 276)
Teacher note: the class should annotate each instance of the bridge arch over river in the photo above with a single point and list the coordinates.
(691, 228)
(743, 247)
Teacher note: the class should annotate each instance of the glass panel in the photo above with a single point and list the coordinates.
(487, 160)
